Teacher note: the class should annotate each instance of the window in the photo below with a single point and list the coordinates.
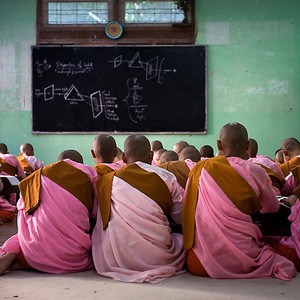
(77, 13)
(83, 22)
(152, 12)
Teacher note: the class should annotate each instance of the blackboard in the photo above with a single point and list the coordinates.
(128, 89)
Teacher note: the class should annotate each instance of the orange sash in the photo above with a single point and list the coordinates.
(138, 178)
(293, 165)
(66, 176)
(233, 185)
(102, 169)
(287, 167)
(25, 164)
(179, 169)
(8, 168)
(296, 173)
(277, 181)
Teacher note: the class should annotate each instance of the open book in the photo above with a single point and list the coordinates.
(280, 199)
(12, 179)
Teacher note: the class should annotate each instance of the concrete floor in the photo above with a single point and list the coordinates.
(89, 285)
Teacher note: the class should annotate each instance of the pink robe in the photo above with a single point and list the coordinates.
(55, 238)
(154, 162)
(5, 205)
(189, 163)
(116, 165)
(267, 162)
(226, 242)
(293, 241)
(34, 162)
(270, 164)
(12, 160)
(119, 164)
(137, 245)
(290, 184)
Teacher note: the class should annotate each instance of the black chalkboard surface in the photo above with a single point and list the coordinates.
(145, 89)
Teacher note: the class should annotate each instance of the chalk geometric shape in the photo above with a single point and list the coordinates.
(152, 68)
(49, 92)
(118, 61)
(136, 62)
(96, 102)
(73, 94)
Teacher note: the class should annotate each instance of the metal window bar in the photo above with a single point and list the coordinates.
(77, 13)
(152, 12)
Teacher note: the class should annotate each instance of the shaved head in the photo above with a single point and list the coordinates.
(206, 151)
(169, 155)
(137, 148)
(279, 158)
(27, 149)
(156, 145)
(104, 149)
(118, 155)
(233, 140)
(3, 148)
(290, 147)
(191, 153)
(253, 148)
(158, 153)
(290, 144)
(179, 146)
(71, 154)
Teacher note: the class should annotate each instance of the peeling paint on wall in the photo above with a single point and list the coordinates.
(7, 67)
(217, 33)
(255, 90)
(274, 87)
(278, 87)
(262, 31)
(25, 76)
(269, 55)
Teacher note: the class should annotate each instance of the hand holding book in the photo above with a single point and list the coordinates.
(287, 201)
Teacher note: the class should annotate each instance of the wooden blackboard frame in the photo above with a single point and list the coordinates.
(43, 61)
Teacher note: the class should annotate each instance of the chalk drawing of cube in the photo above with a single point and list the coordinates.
(96, 103)
(49, 92)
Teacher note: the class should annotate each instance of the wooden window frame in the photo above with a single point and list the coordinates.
(141, 34)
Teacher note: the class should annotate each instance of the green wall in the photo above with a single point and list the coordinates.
(253, 72)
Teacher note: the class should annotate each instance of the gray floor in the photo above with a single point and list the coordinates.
(89, 285)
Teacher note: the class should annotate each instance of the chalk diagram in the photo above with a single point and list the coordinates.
(42, 67)
(100, 101)
(153, 68)
(134, 101)
(68, 69)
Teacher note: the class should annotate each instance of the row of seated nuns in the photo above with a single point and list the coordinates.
(26, 163)
(12, 170)
(277, 168)
(184, 157)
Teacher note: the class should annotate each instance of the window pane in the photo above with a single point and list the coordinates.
(70, 13)
(152, 12)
